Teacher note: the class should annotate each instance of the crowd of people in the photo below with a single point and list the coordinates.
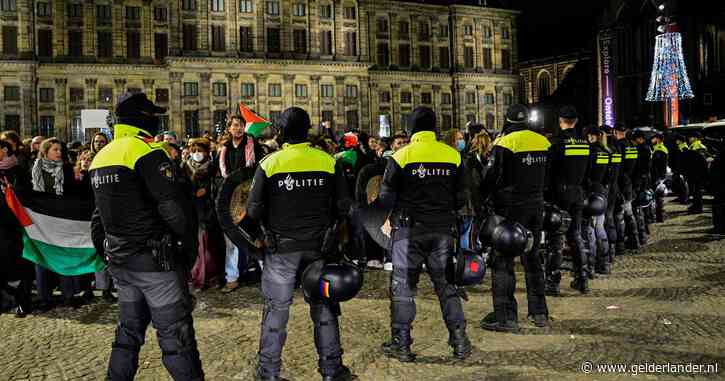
(50, 165)
(604, 185)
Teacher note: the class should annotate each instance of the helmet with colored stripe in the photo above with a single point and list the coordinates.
(334, 282)
(466, 268)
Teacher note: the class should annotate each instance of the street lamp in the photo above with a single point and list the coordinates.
(534, 116)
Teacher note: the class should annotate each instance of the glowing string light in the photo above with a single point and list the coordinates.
(669, 75)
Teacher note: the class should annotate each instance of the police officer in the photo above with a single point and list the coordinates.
(297, 194)
(697, 165)
(139, 202)
(679, 167)
(516, 183)
(568, 166)
(627, 232)
(424, 187)
(641, 183)
(613, 195)
(660, 155)
(597, 183)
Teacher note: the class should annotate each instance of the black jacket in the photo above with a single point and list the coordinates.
(568, 167)
(517, 176)
(599, 162)
(425, 180)
(297, 194)
(138, 199)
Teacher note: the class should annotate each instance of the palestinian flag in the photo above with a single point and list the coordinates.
(56, 231)
(255, 123)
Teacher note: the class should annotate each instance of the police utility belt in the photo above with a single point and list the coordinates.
(165, 251)
(274, 243)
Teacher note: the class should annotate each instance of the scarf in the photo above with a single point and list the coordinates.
(197, 170)
(249, 156)
(55, 168)
(8, 162)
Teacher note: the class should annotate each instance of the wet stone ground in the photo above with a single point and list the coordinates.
(663, 305)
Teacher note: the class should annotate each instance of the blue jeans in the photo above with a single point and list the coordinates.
(236, 258)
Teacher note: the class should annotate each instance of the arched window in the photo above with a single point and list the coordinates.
(544, 84)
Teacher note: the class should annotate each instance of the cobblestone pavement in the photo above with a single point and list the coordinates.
(662, 305)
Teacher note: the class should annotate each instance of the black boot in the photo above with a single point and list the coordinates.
(540, 320)
(343, 374)
(510, 326)
(581, 284)
(108, 296)
(399, 346)
(458, 340)
(88, 296)
(258, 376)
(552, 284)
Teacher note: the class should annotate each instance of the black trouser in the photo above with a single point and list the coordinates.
(696, 186)
(683, 189)
(504, 278)
(571, 199)
(161, 298)
(412, 247)
(627, 231)
(278, 284)
(610, 221)
(659, 202)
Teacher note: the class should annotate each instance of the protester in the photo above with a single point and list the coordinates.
(198, 167)
(51, 174)
(16, 273)
(20, 151)
(241, 150)
(98, 142)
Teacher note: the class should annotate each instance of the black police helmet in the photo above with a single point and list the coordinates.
(661, 189)
(517, 114)
(644, 198)
(596, 204)
(466, 268)
(553, 218)
(511, 239)
(294, 124)
(485, 234)
(422, 119)
(333, 282)
(568, 112)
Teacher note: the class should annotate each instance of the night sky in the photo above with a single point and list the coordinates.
(548, 28)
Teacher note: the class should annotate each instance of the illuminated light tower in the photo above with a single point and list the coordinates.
(668, 82)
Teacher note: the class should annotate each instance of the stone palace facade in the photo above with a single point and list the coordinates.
(345, 61)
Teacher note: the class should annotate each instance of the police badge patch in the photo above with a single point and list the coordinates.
(167, 170)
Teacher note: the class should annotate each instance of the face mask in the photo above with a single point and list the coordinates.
(460, 145)
(197, 157)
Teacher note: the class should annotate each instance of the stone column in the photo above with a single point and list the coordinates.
(416, 94)
(395, 124)
(60, 33)
(118, 13)
(261, 98)
(89, 29)
(500, 108)
(234, 92)
(366, 117)
(340, 99)
(148, 88)
(91, 92)
(288, 89)
(61, 109)
(315, 112)
(27, 97)
(435, 98)
(205, 122)
(176, 110)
